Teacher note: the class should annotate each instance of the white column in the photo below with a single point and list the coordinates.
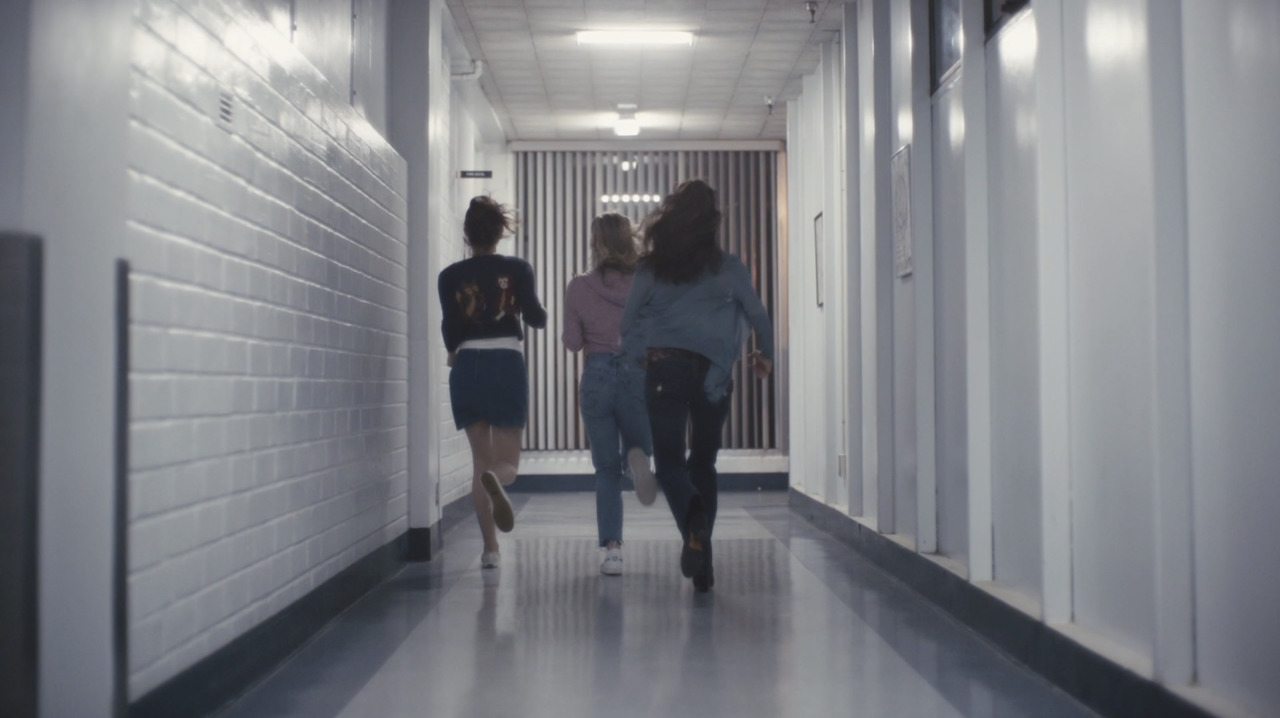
(1174, 570)
(410, 51)
(977, 288)
(877, 268)
(852, 268)
(74, 197)
(922, 258)
(1055, 444)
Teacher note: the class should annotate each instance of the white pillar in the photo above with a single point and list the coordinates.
(412, 40)
(1174, 570)
(977, 288)
(74, 197)
(1054, 339)
(922, 256)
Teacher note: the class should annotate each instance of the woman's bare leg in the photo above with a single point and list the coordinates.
(482, 452)
(505, 444)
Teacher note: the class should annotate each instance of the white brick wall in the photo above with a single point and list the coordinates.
(268, 335)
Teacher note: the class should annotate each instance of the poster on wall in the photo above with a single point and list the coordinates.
(900, 171)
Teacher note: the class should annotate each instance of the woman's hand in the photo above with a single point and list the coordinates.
(452, 356)
(760, 365)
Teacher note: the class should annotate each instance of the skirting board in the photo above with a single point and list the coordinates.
(1094, 680)
(546, 483)
(225, 674)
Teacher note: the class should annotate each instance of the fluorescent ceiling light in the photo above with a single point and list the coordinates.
(627, 125)
(634, 37)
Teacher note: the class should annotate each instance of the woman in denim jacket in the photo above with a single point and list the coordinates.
(611, 394)
(687, 319)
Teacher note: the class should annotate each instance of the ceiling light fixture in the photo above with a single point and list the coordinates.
(627, 125)
(634, 37)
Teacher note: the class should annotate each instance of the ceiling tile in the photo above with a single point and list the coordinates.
(545, 86)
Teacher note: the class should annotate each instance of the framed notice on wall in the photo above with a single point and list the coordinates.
(900, 172)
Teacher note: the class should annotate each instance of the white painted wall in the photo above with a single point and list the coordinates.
(1111, 234)
(817, 408)
(268, 441)
(1105, 247)
(1231, 60)
(369, 79)
(1014, 359)
(322, 32)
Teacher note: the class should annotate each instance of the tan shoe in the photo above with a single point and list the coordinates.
(504, 517)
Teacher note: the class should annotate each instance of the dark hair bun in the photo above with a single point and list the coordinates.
(486, 222)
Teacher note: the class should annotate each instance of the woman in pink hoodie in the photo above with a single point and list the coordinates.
(611, 394)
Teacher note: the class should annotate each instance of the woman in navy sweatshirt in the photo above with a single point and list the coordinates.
(485, 298)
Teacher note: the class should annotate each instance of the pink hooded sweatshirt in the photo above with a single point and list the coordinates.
(593, 305)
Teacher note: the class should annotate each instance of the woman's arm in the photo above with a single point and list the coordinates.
(757, 315)
(535, 315)
(451, 326)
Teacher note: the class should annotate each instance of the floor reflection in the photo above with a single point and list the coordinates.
(797, 625)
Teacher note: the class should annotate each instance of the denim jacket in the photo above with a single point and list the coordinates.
(711, 315)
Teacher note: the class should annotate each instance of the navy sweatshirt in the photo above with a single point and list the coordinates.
(485, 297)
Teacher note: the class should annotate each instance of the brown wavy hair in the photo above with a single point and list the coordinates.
(613, 243)
(680, 235)
(487, 221)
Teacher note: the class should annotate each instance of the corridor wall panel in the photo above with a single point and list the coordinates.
(1111, 236)
(1015, 406)
(951, 393)
(268, 332)
(559, 192)
(1231, 60)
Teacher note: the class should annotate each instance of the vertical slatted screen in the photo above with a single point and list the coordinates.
(560, 192)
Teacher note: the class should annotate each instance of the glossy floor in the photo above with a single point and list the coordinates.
(797, 625)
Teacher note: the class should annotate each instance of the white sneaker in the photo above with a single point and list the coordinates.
(646, 485)
(612, 565)
(490, 559)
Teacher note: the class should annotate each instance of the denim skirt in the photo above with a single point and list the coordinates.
(489, 385)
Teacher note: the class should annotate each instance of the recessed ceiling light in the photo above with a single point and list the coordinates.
(634, 37)
(627, 124)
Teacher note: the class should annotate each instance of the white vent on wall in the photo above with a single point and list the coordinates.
(226, 109)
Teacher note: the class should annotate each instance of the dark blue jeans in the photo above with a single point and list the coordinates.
(677, 404)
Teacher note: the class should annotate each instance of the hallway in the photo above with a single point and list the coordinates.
(797, 625)
(1016, 455)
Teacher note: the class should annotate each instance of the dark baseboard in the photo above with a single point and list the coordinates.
(228, 672)
(1094, 680)
(425, 544)
(549, 483)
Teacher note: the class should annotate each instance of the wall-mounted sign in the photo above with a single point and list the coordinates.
(475, 174)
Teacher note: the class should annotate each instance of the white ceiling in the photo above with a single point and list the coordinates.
(544, 86)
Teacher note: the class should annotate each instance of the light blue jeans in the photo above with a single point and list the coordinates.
(611, 396)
